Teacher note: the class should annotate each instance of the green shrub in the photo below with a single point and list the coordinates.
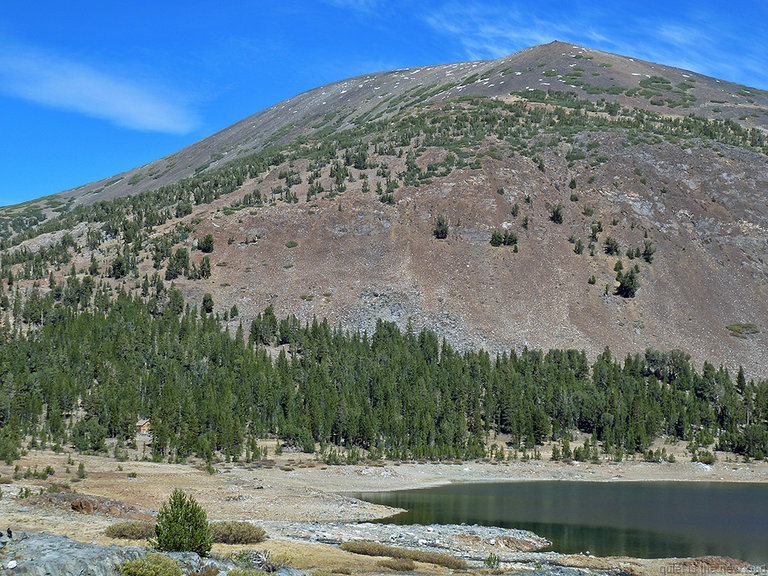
(131, 530)
(291, 244)
(493, 562)
(182, 526)
(706, 457)
(237, 533)
(152, 565)
(742, 329)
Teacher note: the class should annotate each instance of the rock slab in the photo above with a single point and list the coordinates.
(46, 554)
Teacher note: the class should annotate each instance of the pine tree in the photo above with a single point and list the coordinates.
(648, 251)
(93, 268)
(206, 244)
(628, 283)
(441, 227)
(557, 214)
(205, 267)
(611, 246)
(182, 526)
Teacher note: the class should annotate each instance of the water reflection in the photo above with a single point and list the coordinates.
(659, 519)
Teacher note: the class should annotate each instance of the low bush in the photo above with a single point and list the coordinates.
(742, 329)
(237, 533)
(131, 530)
(706, 457)
(493, 561)
(376, 549)
(151, 565)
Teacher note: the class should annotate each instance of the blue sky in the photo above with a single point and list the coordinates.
(90, 89)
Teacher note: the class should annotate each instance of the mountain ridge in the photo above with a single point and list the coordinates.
(224, 138)
(240, 138)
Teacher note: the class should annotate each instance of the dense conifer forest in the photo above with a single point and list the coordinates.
(93, 363)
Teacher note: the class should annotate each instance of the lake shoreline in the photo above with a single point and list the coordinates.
(414, 476)
(296, 487)
(651, 519)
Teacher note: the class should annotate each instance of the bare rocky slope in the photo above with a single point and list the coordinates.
(492, 145)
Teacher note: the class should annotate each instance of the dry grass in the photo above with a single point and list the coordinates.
(376, 549)
(329, 560)
(398, 564)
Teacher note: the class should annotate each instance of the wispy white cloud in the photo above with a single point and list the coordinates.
(57, 82)
(701, 42)
(491, 32)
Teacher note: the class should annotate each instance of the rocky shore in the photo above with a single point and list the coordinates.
(51, 554)
(46, 554)
(472, 543)
(297, 487)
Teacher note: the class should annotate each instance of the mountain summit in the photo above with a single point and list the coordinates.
(560, 197)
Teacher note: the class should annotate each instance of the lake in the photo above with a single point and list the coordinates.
(640, 519)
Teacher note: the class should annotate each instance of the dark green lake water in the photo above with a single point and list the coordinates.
(645, 520)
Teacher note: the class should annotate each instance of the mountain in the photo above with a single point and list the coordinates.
(588, 165)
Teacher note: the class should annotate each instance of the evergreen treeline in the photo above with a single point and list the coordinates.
(84, 375)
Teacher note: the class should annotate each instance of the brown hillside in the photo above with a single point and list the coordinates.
(695, 191)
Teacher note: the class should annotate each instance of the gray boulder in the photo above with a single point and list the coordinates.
(45, 554)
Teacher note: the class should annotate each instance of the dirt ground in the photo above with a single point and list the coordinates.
(301, 488)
